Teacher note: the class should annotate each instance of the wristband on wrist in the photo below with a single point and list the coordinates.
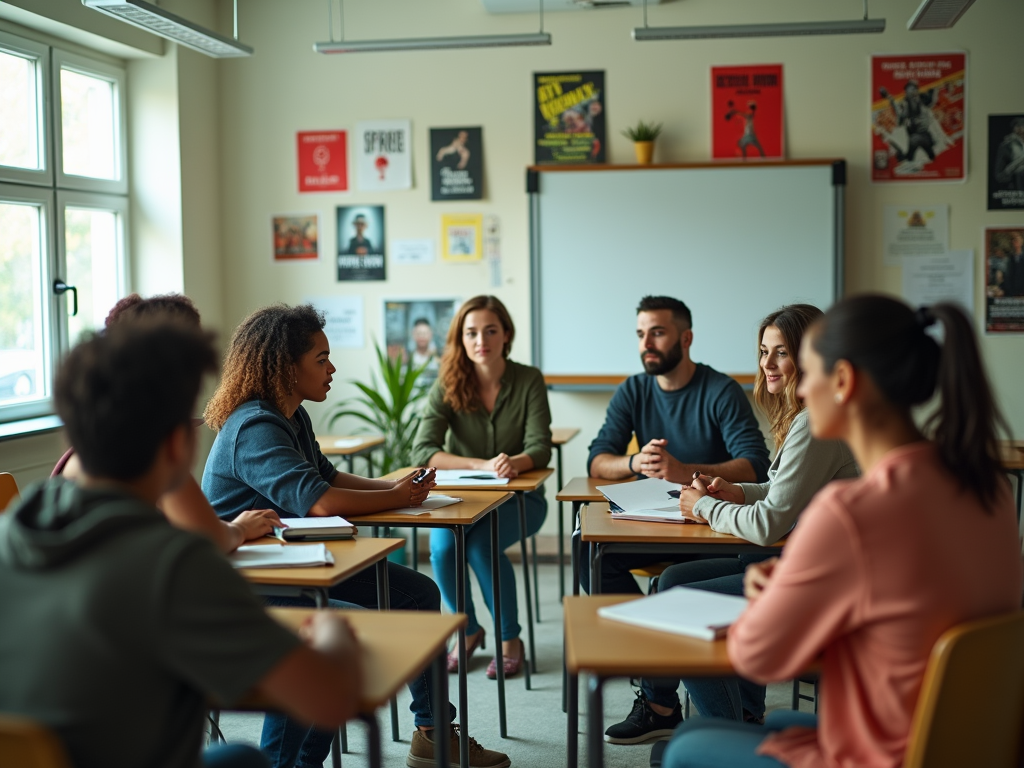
(631, 463)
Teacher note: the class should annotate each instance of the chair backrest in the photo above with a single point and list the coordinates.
(26, 744)
(972, 701)
(8, 490)
(634, 446)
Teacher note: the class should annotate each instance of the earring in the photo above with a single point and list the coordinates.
(839, 398)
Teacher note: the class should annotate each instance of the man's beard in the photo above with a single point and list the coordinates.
(664, 364)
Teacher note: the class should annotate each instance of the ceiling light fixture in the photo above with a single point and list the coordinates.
(938, 14)
(861, 26)
(154, 19)
(426, 43)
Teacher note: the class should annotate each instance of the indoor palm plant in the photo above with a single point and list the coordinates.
(643, 135)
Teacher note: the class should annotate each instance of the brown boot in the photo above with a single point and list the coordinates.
(421, 753)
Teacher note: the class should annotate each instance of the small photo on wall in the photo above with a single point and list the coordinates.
(1004, 289)
(1005, 162)
(462, 237)
(361, 242)
(415, 330)
(296, 237)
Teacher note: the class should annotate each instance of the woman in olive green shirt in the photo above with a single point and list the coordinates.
(486, 412)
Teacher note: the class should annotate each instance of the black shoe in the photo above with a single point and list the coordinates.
(643, 724)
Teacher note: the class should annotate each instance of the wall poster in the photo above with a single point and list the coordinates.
(343, 318)
(918, 126)
(361, 242)
(323, 161)
(296, 237)
(462, 237)
(383, 151)
(1004, 288)
(747, 112)
(914, 230)
(456, 164)
(569, 125)
(1005, 162)
(416, 330)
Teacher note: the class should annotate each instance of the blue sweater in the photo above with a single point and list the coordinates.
(708, 421)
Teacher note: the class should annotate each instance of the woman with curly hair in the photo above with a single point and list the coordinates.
(265, 454)
(486, 412)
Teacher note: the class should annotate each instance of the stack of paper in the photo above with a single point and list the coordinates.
(315, 529)
(280, 556)
(682, 611)
(464, 477)
(433, 501)
(651, 500)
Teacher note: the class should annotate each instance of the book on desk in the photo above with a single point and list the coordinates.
(315, 529)
(681, 611)
(651, 500)
(280, 556)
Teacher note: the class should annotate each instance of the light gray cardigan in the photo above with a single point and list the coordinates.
(801, 468)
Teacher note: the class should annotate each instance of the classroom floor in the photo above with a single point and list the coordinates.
(536, 724)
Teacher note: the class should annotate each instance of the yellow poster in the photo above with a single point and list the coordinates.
(462, 236)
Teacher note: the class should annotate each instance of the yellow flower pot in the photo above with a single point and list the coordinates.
(644, 151)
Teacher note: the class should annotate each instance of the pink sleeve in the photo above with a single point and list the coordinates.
(811, 599)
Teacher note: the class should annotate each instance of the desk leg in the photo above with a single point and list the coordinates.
(460, 604)
(572, 743)
(499, 660)
(336, 747)
(415, 549)
(442, 739)
(536, 580)
(376, 761)
(1019, 473)
(349, 465)
(575, 562)
(596, 553)
(369, 463)
(532, 661)
(320, 597)
(561, 529)
(384, 604)
(595, 722)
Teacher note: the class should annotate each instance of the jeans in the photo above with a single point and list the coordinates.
(234, 756)
(478, 553)
(722, 697)
(713, 743)
(288, 743)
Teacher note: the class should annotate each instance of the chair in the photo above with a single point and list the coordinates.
(26, 744)
(8, 490)
(972, 700)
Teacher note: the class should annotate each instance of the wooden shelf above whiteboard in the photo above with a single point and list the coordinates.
(676, 166)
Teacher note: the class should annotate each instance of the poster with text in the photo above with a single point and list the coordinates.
(1004, 283)
(415, 331)
(361, 242)
(383, 152)
(569, 125)
(323, 161)
(462, 237)
(747, 121)
(1005, 162)
(456, 164)
(918, 111)
(296, 237)
(914, 230)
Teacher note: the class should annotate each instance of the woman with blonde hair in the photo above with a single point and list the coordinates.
(486, 412)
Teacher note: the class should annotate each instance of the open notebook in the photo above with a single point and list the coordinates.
(315, 529)
(681, 611)
(280, 556)
(650, 500)
(433, 501)
(464, 477)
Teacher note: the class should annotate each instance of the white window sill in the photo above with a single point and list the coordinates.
(27, 427)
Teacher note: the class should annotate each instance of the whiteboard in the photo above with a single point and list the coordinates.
(732, 242)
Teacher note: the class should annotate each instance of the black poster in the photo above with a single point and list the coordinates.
(569, 117)
(361, 242)
(456, 164)
(1005, 162)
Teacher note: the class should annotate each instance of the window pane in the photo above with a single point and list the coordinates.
(22, 348)
(91, 239)
(19, 106)
(88, 116)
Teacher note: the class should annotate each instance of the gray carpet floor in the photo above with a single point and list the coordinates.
(536, 724)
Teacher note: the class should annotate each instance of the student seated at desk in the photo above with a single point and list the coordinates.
(185, 506)
(265, 455)
(759, 512)
(486, 412)
(878, 568)
(686, 416)
(118, 626)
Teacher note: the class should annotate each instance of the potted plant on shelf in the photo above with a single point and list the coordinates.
(643, 135)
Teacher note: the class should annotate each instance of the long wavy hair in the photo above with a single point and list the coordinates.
(458, 377)
(791, 320)
(260, 363)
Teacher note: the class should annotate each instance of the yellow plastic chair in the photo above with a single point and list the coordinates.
(8, 490)
(26, 744)
(972, 701)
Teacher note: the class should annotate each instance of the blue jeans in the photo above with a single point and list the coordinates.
(234, 756)
(288, 743)
(478, 553)
(723, 697)
(714, 743)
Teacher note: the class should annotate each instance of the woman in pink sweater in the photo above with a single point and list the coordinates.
(878, 568)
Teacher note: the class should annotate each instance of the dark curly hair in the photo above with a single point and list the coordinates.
(167, 306)
(260, 362)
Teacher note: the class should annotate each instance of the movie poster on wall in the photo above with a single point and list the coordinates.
(456, 164)
(323, 161)
(383, 151)
(1004, 284)
(569, 119)
(747, 118)
(361, 242)
(296, 237)
(1005, 162)
(918, 126)
(415, 330)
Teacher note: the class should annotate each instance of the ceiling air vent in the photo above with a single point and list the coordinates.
(938, 14)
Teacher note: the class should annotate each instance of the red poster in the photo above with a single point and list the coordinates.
(917, 117)
(746, 112)
(323, 161)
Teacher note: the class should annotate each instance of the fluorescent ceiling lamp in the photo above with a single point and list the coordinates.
(165, 24)
(938, 14)
(865, 26)
(432, 43)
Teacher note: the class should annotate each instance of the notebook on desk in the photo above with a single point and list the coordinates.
(649, 500)
(681, 611)
(315, 529)
(463, 477)
(280, 556)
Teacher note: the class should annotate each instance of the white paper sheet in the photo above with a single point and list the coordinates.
(433, 501)
(344, 316)
(647, 494)
(681, 611)
(412, 251)
(948, 277)
(914, 230)
(463, 477)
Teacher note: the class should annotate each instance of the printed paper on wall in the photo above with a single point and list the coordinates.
(383, 152)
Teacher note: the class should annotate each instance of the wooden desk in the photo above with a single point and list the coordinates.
(580, 491)
(365, 447)
(559, 437)
(1013, 462)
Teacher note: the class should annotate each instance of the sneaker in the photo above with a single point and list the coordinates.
(643, 724)
(421, 753)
